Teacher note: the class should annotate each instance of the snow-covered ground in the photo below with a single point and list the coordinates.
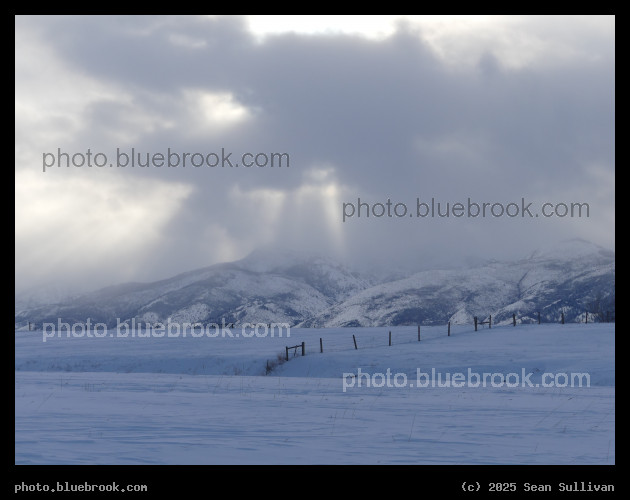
(207, 400)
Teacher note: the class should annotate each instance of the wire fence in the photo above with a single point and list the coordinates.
(354, 338)
(362, 338)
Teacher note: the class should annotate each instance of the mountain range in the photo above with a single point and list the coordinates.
(574, 277)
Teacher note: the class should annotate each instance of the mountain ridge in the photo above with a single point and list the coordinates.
(573, 277)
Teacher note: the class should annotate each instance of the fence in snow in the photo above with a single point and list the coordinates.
(387, 336)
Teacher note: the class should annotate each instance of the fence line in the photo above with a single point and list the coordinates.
(386, 337)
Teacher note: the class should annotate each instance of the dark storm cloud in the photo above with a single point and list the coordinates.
(385, 118)
(356, 101)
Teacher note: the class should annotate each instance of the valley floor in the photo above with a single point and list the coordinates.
(311, 411)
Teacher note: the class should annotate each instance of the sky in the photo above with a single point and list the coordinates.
(511, 111)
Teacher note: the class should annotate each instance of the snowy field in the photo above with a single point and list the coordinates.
(210, 400)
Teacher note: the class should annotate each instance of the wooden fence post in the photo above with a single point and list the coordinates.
(418, 333)
(475, 323)
(390, 337)
(562, 317)
(514, 319)
(587, 317)
(449, 328)
(303, 349)
(287, 358)
(490, 322)
(321, 345)
(355, 341)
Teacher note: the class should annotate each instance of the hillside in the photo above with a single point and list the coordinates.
(302, 290)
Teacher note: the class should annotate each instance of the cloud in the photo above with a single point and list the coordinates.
(492, 108)
(89, 226)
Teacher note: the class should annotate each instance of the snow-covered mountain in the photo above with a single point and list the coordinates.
(264, 287)
(572, 277)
